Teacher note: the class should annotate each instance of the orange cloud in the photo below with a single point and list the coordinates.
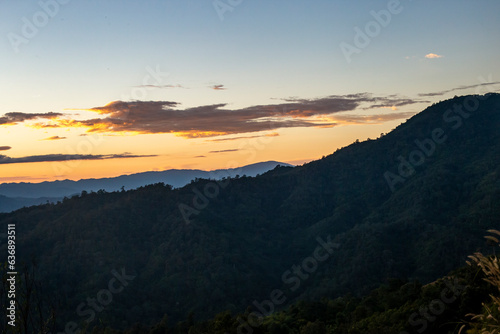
(225, 151)
(371, 119)
(274, 134)
(66, 157)
(54, 138)
(433, 56)
(13, 118)
(152, 117)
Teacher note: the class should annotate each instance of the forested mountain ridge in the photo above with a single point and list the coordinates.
(14, 196)
(390, 212)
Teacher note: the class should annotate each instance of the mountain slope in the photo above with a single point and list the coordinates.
(247, 237)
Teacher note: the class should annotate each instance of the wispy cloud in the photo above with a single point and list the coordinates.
(218, 87)
(433, 56)
(5, 148)
(274, 134)
(443, 92)
(160, 86)
(54, 138)
(392, 102)
(13, 118)
(63, 157)
(372, 119)
(224, 151)
(24, 178)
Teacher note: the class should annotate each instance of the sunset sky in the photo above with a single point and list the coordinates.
(94, 89)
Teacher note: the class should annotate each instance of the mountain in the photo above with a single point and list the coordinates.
(14, 196)
(8, 204)
(410, 205)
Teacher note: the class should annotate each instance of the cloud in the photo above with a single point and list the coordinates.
(392, 102)
(218, 87)
(66, 157)
(440, 93)
(372, 119)
(12, 118)
(152, 117)
(225, 151)
(21, 178)
(274, 134)
(5, 148)
(433, 56)
(160, 86)
(200, 156)
(54, 138)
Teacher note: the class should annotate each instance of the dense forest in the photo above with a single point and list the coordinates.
(397, 307)
(405, 208)
(465, 301)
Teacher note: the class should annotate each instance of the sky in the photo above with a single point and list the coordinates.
(93, 89)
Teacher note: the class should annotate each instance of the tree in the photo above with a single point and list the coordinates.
(489, 321)
(316, 327)
(34, 314)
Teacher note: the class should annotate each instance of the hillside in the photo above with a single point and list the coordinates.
(398, 307)
(214, 246)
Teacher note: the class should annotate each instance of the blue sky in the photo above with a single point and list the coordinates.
(262, 52)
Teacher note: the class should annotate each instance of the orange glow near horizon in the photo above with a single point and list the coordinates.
(199, 134)
(289, 145)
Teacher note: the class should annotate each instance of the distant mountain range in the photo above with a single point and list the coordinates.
(17, 195)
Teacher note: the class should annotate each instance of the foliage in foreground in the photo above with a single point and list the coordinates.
(487, 322)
